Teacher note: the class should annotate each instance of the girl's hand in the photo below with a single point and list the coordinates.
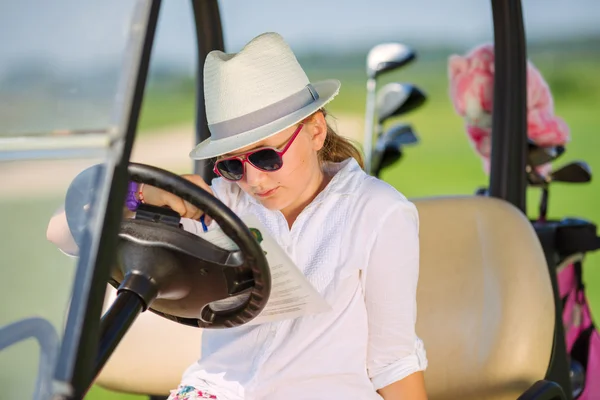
(158, 197)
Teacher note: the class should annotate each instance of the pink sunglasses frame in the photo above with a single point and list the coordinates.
(243, 158)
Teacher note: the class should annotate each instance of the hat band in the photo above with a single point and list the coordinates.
(255, 119)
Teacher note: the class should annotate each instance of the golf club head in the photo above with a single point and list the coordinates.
(575, 172)
(482, 191)
(400, 135)
(396, 98)
(534, 178)
(389, 146)
(387, 56)
(538, 155)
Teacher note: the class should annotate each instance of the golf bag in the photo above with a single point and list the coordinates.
(581, 335)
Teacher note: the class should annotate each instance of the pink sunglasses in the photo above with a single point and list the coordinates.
(266, 159)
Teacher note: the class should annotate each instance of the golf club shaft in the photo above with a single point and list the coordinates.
(544, 204)
(369, 118)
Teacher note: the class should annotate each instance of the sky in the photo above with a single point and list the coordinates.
(89, 33)
(50, 49)
(340, 25)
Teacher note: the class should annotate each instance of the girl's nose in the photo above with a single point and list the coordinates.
(253, 175)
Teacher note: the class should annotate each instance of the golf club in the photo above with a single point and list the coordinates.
(538, 155)
(396, 99)
(575, 172)
(388, 149)
(381, 58)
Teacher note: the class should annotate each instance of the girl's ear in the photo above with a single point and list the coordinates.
(317, 129)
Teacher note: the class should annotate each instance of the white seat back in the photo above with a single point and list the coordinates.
(485, 301)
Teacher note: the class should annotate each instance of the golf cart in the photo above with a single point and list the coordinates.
(491, 325)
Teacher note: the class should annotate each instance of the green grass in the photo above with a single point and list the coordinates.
(98, 393)
(167, 104)
(443, 163)
(36, 281)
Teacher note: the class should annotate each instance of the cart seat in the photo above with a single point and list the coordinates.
(485, 300)
(485, 310)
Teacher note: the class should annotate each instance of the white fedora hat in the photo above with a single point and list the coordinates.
(256, 93)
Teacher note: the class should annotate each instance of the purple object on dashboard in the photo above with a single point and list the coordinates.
(131, 201)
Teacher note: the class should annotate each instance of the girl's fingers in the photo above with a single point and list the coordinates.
(192, 211)
(207, 219)
(176, 204)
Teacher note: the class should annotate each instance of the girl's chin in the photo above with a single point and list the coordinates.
(271, 203)
(274, 203)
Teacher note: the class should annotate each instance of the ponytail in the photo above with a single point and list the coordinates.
(338, 148)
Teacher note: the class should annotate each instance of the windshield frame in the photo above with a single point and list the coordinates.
(77, 356)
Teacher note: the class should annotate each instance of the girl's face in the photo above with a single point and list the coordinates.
(300, 176)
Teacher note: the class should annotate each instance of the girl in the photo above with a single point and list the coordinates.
(354, 237)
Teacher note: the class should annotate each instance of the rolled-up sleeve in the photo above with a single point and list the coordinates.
(390, 281)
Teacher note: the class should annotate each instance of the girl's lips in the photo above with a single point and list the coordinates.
(267, 193)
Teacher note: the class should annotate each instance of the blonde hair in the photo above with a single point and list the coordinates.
(337, 148)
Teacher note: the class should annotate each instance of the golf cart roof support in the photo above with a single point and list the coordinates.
(77, 358)
(509, 121)
(508, 177)
(209, 35)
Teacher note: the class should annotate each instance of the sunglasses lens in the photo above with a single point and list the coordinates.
(231, 169)
(267, 160)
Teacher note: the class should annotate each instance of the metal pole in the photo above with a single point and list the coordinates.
(115, 324)
(209, 35)
(369, 118)
(509, 126)
(508, 178)
(558, 368)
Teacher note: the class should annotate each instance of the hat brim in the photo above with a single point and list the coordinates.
(208, 148)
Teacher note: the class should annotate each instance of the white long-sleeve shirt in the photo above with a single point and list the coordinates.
(357, 244)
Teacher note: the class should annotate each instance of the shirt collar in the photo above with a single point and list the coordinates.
(344, 180)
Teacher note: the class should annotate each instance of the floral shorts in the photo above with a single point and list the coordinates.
(189, 393)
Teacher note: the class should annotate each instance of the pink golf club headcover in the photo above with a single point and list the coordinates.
(472, 92)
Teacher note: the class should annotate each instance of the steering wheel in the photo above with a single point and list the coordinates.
(177, 274)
